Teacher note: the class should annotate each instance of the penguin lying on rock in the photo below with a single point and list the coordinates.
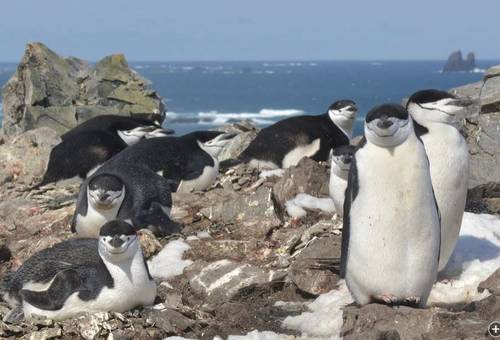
(188, 162)
(126, 192)
(90, 144)
(286, 142)
(108, 274)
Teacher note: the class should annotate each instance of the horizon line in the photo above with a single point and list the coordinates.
(263, 60)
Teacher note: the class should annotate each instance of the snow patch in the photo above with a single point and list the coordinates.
(168, 262)
(270, 173)
(476, 257)
(324, 318)
(256, 335)
(296, 207)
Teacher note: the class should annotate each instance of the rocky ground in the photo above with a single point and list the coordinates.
(240, 264)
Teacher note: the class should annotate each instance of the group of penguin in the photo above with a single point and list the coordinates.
(401, 191)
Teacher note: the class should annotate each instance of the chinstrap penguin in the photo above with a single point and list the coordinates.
(339, 171)
(391, 232)
(87, 146)
(126, 192)
(129, 129)
(188, 162)
(108, 274)
(286, 142)
(436, 113)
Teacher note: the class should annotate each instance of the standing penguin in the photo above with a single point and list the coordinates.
(83, 275)
(188, 162)
(436, 114)
(286, 142)
(126, 192)
(391, 233)
(90, 144)
(339, 172)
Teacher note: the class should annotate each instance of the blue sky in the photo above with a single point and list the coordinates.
(252, 30)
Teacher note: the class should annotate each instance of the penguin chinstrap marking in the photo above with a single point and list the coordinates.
(108, 274)
(437, 112)
(339, 172)
(189, 162)
(391, 232)
(130, 192)
(286, 142)
(89, 145)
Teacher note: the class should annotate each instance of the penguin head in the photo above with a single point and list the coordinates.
(159, 132)
(388, 125)
(118, 241)
(214, 146)
(341, 158)
(105, 191)
(342, 110)
(436, 106)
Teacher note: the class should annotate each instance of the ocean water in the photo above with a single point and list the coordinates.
(204, 95)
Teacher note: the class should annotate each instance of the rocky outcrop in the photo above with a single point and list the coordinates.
(456, 63)
(56, 92)
(376, 321)
(481, 126)
(24, 158)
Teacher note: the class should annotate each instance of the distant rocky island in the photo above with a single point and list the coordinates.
(456, 63)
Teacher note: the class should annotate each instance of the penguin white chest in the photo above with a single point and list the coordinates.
(337, 186)
(394, 226)
(448, 155)
(90, 224)
(204, 181)
(294, 156)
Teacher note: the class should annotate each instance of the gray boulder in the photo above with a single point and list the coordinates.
(481, 127)
(49, 90)
(24, 158)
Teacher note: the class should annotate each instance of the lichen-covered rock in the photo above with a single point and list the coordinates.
(49, 90)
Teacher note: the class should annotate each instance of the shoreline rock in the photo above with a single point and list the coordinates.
(57, 92)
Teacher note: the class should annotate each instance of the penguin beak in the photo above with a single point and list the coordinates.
(460, 102)
(116, 241)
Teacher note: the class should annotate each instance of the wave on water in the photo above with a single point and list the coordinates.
(264, 116)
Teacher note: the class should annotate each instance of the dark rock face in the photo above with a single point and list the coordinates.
(456, 63)
(49, 90)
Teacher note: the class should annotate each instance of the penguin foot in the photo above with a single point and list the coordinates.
(387, 299)
(412, 300)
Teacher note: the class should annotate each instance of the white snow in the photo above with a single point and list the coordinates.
(256, 335)
(296, 206)
(324, 318)
(168, 262)
(476, 257)
(270, 173)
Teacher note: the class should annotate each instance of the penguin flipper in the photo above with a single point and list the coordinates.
(63, 285)
(350, 195)
(81, 205)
